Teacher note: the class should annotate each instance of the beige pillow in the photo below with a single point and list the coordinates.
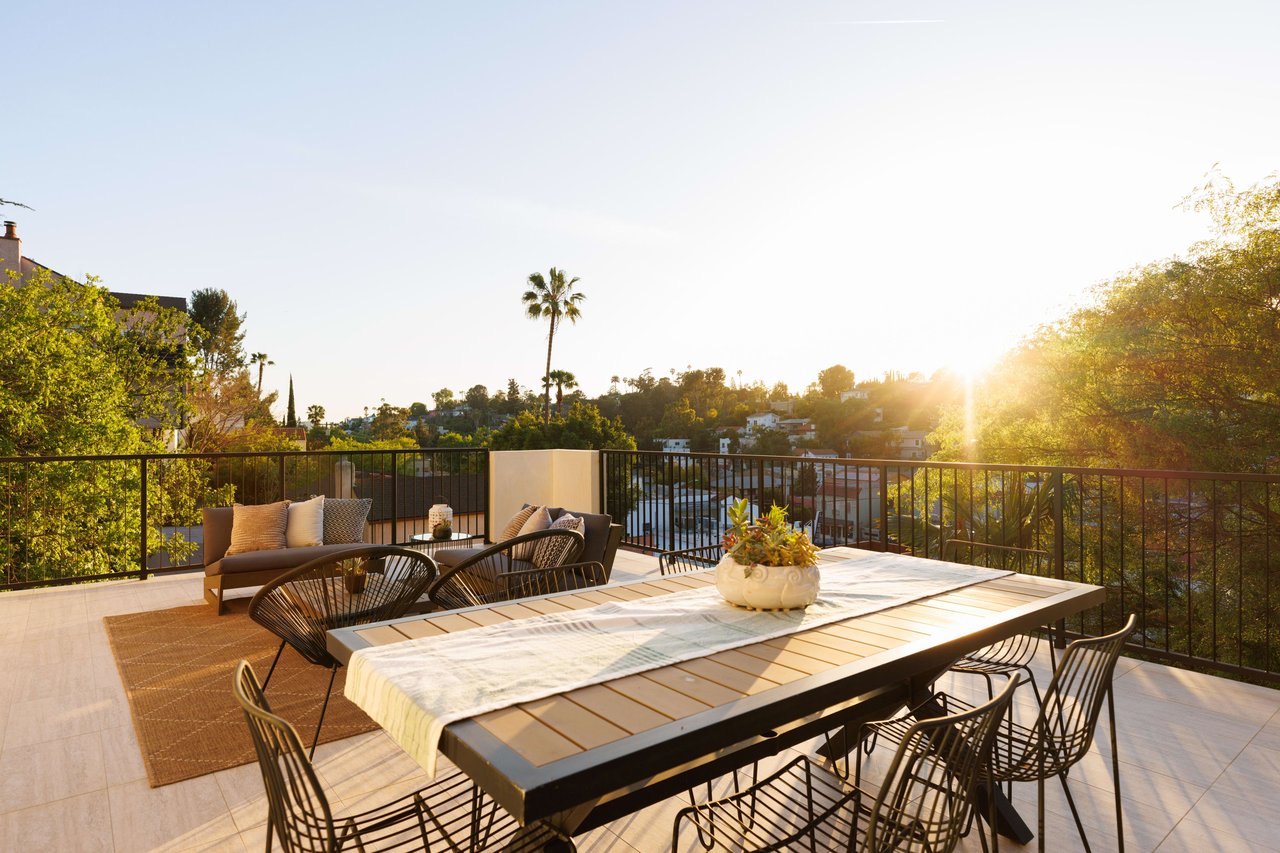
(539, 520)
(512, 530)
(258, 528)
(306, 523)
(550, 552)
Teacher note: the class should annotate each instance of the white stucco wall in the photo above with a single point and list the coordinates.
(564, 478)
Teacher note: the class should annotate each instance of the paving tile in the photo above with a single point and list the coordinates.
(1192, 837)
(41, 720)
(363, 764)
(121, 755)
(1233, 699)
(74, 825)
(243, 791)
(189, 815)
(1247, 818)
(41, 773)
(1145, 826)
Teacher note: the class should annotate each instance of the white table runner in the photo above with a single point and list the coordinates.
(413, 689)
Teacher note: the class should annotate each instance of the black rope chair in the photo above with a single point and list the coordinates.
(1014, 654)
(353, 587)
(501, 572)
(1063, 730)
(449, 814)
(924, 805)
(690, 559)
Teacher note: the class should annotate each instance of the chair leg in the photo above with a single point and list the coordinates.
(1115, 770)
(275, 661)
(1040, 812)
(270, 832)
(1075, 813)
(323, 708)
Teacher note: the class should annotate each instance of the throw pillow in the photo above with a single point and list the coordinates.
(306, 523)
(258, 528)
(512, 530)
(344, 520)
(539, 520)
(550, 552)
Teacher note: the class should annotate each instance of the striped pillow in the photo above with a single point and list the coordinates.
(344, 520)
(539, 520)
(258, 528)
(512, 530)
(551, 551)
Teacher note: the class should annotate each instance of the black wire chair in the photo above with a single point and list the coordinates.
(501, 572)
(1014, 654)
(923, 806)
(1063, 730)
(690, 559)
(449, 814)
(353, 587)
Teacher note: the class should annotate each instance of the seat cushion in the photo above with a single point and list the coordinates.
(279, 558)
(447, 558)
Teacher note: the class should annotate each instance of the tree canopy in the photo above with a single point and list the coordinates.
(1174, 365)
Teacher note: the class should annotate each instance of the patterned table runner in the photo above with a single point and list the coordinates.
(413, 689)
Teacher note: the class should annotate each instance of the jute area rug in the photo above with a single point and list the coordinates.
(177, 667)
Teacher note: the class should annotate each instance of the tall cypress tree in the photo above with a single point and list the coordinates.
(291, 417)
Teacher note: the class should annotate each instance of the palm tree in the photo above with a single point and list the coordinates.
(562, 379)
(262, 360)
(553, 298)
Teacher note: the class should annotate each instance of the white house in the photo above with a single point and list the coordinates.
(854, 394)
(763, 420)
(674, 445)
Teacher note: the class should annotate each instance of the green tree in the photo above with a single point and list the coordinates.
(444, 399)
(478, 401)
(388, 422)
(291, 414)
(315, 415)
(554, 299)
(771, 442)
(582, 428)
(216, 330)
(562, 379)
(262, 360)
(418, 410)
(835, 379)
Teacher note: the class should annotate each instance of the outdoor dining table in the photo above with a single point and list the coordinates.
(589, 755)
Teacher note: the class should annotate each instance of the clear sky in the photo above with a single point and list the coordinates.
(764, 187)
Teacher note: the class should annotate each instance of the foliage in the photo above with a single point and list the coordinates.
(1174, 365)
(770, 442)
(229, 414)
(262, 360)
(389, 423)
(835, 379)
(552, 298)
(444, 399)
(216, 330)
(583, 428)
(291, 414)
(770, 541)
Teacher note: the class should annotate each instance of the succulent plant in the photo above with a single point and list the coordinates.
(770, 541)
(443, 530)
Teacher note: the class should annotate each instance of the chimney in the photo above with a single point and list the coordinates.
(10, 251)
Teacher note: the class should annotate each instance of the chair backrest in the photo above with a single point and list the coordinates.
(364, 584)
(690, 559)
(501, 572)
(1031, 561)
(926, 800)
(299, 812)
(1064, 729)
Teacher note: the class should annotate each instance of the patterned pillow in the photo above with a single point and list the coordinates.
(539, 520)
(512, 530)
(344, 519)
(551, 551)
(258, 528)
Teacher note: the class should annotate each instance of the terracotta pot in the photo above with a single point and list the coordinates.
(767, 587)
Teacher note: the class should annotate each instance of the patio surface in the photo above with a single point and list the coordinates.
(1200, 755)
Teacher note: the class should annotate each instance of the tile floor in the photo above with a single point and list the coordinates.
(1200, 755)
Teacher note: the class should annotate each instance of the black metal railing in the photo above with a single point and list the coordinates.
(1196, 555)
(65, 519)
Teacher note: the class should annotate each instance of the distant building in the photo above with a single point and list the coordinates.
(726, 444)
(763, 420)
(673, 445)
(855, 394)
(819, 453)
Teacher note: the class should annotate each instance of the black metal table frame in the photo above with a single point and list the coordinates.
(580, 792)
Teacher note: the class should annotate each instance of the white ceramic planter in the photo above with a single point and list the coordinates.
(767, 587)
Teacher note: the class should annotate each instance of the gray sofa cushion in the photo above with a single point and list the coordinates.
(277, 558)
(596, 533)
(450, 557)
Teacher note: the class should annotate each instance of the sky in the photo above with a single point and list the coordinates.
(766, 187)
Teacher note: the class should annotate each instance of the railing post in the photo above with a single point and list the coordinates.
(280, 472)
(603, 483)
(1059, 551)
(884, 507)
(671, 504)
(142, 537)
(484, 471)
(395, 498)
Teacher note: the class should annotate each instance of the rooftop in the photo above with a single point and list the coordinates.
(1200, 755)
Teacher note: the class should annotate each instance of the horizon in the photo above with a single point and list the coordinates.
(775, 190)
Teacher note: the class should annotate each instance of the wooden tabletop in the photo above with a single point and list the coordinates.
(584, 756)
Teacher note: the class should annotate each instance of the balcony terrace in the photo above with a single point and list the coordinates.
(1200, 754)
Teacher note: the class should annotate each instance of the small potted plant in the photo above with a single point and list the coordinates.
(354, 576)
(768, 565)
(442, 530)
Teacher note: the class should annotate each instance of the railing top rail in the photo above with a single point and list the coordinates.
(246, 454)
(1152, 473)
